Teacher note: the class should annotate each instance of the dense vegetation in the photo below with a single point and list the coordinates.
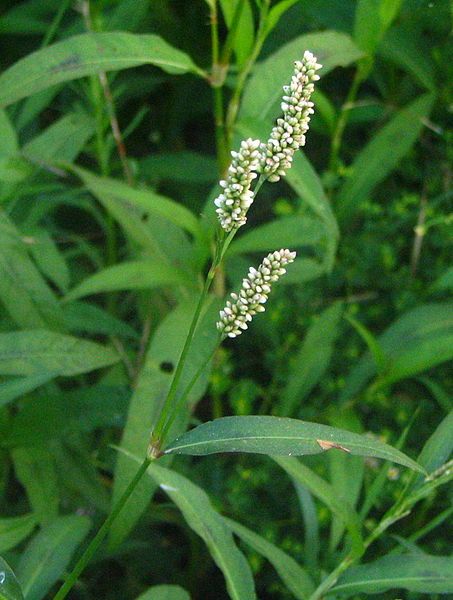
(117, 119)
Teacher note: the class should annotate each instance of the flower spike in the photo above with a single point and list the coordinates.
(288, 135)
(238, 312)
(236, 198)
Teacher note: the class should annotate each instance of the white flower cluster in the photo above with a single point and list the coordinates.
(236, 198)
(253, 294)
(289, 133)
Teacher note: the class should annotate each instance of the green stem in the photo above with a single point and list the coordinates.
(55, 23)
(96, 541)
(342, 121)
(157, 438)
(182, 398)
(233, 105)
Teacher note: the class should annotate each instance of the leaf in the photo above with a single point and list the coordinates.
(327, 494)
(32, 352)
(286, 232)
(19, 386)
(150, 392)
(196, 508)
(426, 328)
(165, 592)
(48, 554)
(404, 47)
(245, 31)
(372, 18)
(439, 445)
(133, 275)
(312, 360)
(375, 162)
(292, 574)
(445, 281)
(188, 167)
(9, 586)
(35, 469)
(280, 437)
(146, 200)
(263, 91)
(275, 14)
(306, 183)
(62, 141)
(24, 293)
(48, 258)
(88, 54)
(14, 530)
(58, 415)
(86, 317)
(414, 572)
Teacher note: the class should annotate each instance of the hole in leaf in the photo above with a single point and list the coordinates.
(166, 367)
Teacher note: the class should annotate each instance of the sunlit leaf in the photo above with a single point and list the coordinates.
(280, 437)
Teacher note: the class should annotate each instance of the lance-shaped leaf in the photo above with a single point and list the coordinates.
(39, 350)
(9, 586)
(200, 515)
(292, 574)
(132, 275)
(280, 437)
(415, 572)
(87, 54)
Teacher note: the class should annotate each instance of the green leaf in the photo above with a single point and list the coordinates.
(165, 592)
(10, 145)
(445, 281)
(292, 574)
(263, 91)
(48, 258)
(404, 47)
(48, 554)
(134, 275)
(275, 14)
(439, 445)
(188, 167)
(24, 293)
(87, 54)
(35, 469)
(280, 437)
(200, 515)
(372, 19)
(145, 200)
(419, 339)
(86, 317)
(32, 352)
(414, 572)
(150, 392)
(339, 506)
(9, 586)
(306, 183)
(19, 386)
(14, 530)
(375, 161)
(245, 31)
(287, 232)
(312, 360)
(62, 141)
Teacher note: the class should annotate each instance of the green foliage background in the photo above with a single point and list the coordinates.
(102, 258)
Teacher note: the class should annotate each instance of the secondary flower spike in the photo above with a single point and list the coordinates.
(255, 290)
(236, 198)
(288, 135)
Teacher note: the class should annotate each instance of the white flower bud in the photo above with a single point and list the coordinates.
(253, 294)
(288, 135)
(236, 197)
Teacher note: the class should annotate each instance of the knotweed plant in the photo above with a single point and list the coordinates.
(254, 163)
